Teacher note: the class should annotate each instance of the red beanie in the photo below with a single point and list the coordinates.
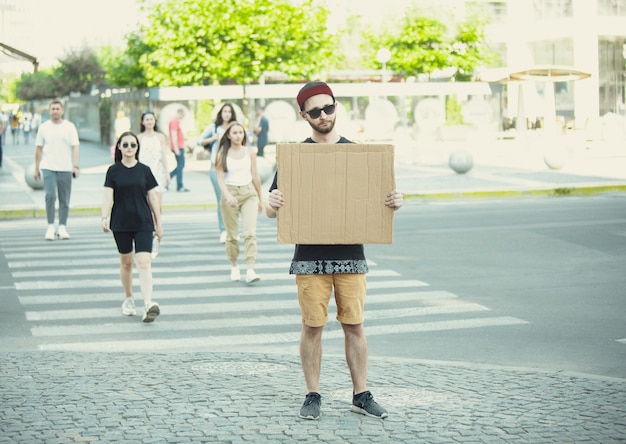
(313, 89)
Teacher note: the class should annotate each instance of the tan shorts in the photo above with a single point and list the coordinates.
(314, 296)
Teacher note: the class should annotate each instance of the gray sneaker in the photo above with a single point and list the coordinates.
(151, 312)
(311, 407)
(364, 404)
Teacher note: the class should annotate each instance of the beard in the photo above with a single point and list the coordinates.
(327, 128)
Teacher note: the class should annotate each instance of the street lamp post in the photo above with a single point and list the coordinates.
(382, 56)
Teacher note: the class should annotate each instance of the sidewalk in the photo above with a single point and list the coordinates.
(502, 168)
(65, 397)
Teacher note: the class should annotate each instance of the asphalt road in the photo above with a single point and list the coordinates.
(558, 264)
(534, 283)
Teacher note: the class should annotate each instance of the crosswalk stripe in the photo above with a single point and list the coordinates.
(226, 307)
(206, 342)
(259, 321)
(158, 281)
(230, 291)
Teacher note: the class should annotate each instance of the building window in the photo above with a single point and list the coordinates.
(496, 12)
(611, 8)
(612, 70)
(553, 52)
(553, 9)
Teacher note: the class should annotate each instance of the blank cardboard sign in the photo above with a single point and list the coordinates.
(335, 193)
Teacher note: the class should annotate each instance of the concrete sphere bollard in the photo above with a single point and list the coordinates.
(555, 157)
(29, 176)
(265, 168)
(461, 161)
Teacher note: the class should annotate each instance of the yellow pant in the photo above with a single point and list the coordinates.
(248, 207)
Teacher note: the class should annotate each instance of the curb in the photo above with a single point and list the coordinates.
(35, 213)
(547, 192)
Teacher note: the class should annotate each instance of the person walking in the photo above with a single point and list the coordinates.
(154, 152)
(321, 268)
(26, 127)
(210, 140)
(1, 137)
(56, 158)
(15, 129)
(130, 209)
(177, 145)
(261, 129)
(240, 185)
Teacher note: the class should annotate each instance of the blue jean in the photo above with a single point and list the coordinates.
(218, 197)
(178, 171)
(57, 182)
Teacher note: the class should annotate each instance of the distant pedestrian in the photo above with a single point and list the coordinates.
(15, 129)
(26, 127)
(261, 129)
(1, 137)
(322, 269)
(130, 201)
(239, 182)
(154, 152)
(56, 158)
(177, 145)
(210, 140)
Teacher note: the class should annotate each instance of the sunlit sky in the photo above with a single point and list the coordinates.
(49, 29)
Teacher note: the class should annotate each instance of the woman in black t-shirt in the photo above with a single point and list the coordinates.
(130, 188)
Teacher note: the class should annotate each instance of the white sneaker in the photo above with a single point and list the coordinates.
(251, 276)
(151, 313)
(128, 307)
(223, 237)
(235, 274)
(50, 233)
(62, 232)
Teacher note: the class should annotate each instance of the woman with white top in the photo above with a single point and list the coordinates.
(154, 152)
(240, 185)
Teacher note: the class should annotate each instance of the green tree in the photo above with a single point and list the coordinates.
(79, 71)
(39, 85)
(200, 42)
(76, 72)
(420, 45)
(469, 48)
(122, 65)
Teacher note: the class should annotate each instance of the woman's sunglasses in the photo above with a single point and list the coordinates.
(126, 145)
(316, 113)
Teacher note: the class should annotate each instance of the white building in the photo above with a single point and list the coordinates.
(589, 35)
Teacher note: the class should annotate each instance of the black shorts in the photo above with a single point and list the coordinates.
(124, 241)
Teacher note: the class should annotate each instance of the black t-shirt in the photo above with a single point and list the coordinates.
(326, 259)
(131, 211)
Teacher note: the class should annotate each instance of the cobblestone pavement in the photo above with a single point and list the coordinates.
(64, 397)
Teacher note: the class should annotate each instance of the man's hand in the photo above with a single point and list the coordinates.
(394, 200)
(276, 199)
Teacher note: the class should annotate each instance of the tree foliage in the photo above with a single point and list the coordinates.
(122, 65)
(199, 42)
(421, 45)
(77, 72)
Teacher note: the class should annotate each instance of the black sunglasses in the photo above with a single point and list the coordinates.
(126, 145)
(317, 112)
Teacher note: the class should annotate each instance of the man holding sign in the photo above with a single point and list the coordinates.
(320, 268)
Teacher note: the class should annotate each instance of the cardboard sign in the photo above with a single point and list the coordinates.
(335, 193)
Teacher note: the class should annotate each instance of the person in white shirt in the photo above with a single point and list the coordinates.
(56, 159)
(240, 185)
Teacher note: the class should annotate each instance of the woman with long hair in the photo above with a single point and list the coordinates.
(154, 152)
(240, 184)
(210, 140)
